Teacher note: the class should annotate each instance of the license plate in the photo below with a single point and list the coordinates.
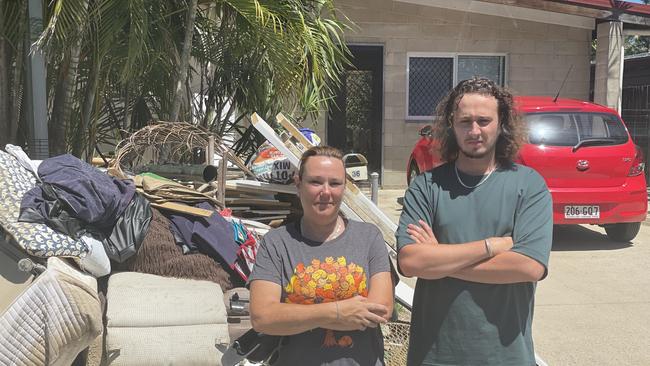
(581, 212)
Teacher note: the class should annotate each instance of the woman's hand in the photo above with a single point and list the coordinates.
(357, 313)
(421, 234)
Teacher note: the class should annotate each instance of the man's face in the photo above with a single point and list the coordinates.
(476, 125)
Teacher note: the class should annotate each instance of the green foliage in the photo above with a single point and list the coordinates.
(112, 64)
(635, 45)
(358, 109)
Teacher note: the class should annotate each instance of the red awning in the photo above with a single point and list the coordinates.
(623, 6)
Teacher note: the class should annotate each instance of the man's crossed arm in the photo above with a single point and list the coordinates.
(475, 261)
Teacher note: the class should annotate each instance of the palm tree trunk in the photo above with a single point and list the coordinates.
(11, 75)
(126, 121)
(71, 80)
(83, 140)
(16, 90)
(185, 61)
(4, 82)
(56, 122)
(63, 99)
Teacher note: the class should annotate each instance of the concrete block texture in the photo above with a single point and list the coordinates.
(393, 58)
(537, 54)
(395, 100)
(609, 64)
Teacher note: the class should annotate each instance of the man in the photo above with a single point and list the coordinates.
(477, 233)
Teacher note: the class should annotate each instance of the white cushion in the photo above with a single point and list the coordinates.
(154, 320)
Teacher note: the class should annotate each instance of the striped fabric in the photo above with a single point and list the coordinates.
(56, 317)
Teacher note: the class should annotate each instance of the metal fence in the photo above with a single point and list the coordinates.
(636, 114)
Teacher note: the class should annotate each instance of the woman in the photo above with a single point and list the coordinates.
(323, 281)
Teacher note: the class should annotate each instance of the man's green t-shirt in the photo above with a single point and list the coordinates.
(457, 322)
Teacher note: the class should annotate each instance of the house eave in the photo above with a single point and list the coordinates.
(497, 8)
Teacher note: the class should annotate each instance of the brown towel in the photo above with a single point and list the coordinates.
(160, 255)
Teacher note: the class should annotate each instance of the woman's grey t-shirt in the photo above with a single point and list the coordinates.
(313, 272)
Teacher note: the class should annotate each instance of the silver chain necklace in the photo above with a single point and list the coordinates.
(485, 178)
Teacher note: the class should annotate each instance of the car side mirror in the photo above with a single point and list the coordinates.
(426, 130)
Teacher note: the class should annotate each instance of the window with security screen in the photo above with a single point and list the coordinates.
(431, 77)
(491, 67)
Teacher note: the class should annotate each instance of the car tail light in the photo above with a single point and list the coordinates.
(638, 164)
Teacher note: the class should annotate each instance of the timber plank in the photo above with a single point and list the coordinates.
(181, 208)
(256, 202)
(254, 186)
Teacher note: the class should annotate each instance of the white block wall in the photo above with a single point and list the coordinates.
(538, 58)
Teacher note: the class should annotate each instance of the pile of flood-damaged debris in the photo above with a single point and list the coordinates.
(149, 227)
(142, 260)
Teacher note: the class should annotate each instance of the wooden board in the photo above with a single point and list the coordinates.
(267, 218)
(239, 208)
(256, 202)
(271, 212)
(257, 186)
(179, 207)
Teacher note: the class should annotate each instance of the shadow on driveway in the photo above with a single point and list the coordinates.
(575, 237)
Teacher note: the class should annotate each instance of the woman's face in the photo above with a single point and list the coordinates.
(321, 188)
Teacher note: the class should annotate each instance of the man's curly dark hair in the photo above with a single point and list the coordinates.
(513, 131)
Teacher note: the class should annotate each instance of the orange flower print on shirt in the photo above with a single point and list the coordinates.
(327, 281)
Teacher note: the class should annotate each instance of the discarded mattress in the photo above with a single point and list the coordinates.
(53, 320)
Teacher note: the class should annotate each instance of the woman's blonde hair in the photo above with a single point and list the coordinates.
(328, 151)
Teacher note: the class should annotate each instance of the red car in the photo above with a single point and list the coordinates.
(584, 152)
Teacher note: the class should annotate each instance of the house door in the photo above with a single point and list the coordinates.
(354, 123)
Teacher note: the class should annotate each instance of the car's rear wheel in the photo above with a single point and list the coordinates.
(413, 172)
(623, 232)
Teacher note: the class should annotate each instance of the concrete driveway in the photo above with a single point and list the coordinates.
(594, 306)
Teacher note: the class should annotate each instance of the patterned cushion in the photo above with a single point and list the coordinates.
(36, 239)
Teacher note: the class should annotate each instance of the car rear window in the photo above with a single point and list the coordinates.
(569, 129)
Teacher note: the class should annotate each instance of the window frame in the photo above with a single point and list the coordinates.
(454, 81)
(572, 116)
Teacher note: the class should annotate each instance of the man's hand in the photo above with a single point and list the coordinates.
(500, 244)
(421, 234)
